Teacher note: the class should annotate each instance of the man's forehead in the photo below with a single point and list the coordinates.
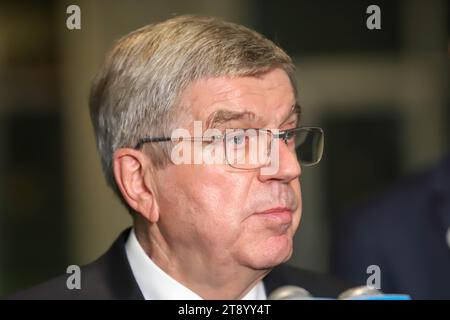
(254, 99)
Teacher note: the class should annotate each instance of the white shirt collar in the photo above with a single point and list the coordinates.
(155, 284)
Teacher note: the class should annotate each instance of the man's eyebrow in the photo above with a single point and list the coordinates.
(222, 116)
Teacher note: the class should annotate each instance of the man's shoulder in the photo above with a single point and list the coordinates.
(318, 284)
(107, 278)
(57, 288)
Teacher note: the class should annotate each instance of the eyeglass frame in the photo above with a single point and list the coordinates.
(281, 134)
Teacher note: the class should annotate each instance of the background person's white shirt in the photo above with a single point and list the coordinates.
(155, 284)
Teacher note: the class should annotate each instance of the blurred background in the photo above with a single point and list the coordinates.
(382, 97)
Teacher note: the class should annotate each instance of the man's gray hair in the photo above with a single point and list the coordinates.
(136, 91)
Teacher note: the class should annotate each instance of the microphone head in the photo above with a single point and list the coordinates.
(358, 292)
(289, 293)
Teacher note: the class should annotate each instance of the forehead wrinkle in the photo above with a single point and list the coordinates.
(222, 116)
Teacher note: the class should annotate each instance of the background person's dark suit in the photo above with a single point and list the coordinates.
(110, 277)
(405, 232)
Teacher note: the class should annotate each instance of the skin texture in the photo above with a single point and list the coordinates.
(200, 223)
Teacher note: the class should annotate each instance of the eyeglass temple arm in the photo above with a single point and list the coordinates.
(163, 139)
(146, 140)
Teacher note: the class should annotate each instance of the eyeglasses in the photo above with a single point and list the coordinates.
(252, 148)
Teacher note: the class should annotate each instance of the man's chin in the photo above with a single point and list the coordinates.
(276, 251)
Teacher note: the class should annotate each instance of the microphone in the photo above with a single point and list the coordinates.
(361, 291)
(370, 293)
(356, 293)
(290, 293)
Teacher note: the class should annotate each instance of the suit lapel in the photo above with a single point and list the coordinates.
(118, 273)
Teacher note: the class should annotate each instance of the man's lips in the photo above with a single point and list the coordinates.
(281, 214)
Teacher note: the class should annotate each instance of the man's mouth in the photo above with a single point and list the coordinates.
(282, 215)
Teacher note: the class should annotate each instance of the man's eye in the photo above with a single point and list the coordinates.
(239, 139)
(215, 139)
(289, 135)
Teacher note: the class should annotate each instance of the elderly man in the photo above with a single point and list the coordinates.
(202, 229)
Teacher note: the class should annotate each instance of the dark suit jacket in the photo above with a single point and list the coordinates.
(404, 232)
(110, 277)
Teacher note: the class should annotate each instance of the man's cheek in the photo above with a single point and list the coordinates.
(220, 228)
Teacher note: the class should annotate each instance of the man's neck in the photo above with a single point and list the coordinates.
(205, 277)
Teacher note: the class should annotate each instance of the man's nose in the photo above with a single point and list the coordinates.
(287, 168)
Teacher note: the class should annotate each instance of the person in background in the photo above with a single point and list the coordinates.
(405, 232)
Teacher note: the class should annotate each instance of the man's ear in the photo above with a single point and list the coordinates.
(130, 167)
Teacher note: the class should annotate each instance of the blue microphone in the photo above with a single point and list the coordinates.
(370, 293)
(357, 293)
